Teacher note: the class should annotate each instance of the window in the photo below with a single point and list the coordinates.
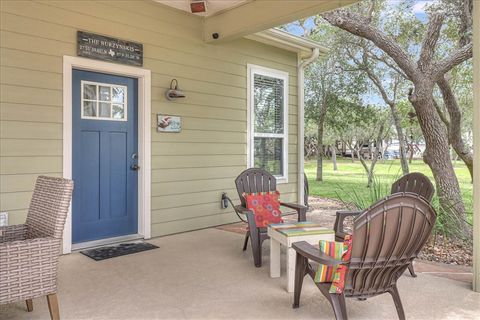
(268, 120)
(102, 101)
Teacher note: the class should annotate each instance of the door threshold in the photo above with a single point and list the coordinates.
(102, 242)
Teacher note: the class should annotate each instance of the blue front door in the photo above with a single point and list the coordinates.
(105, 161)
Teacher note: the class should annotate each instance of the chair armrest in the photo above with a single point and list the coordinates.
(338, 226)
(294, 206)
(310, 252)
(13, 233)
(241, 210)
(301, 210)
(32, 260)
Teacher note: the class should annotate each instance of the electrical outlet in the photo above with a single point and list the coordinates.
(3, 219)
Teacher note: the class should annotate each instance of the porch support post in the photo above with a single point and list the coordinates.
(476, 146)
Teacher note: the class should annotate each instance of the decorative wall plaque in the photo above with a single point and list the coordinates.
(100, 47)
(166, 123)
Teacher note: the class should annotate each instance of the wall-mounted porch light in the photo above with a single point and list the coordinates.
(174, 92)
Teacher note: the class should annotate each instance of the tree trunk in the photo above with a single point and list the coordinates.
(365, 166)
(412, 152)
(375, 155)
(437, 157)
(455, 126)
(401, 138)
(320, 153)
(334, 158)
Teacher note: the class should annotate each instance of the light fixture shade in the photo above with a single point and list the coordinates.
(174, 92)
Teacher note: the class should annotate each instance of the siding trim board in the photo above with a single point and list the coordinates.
(144, 134)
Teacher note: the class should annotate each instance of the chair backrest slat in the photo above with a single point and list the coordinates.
(254, 180)
(386, 238)
(416, 183)
(49, 207)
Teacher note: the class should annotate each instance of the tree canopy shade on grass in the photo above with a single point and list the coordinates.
(351, 177)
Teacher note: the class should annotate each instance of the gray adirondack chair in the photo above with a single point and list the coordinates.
(386, 238)
(415, 182)
(256, 180)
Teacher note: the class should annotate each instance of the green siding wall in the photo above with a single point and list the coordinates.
(190, 169)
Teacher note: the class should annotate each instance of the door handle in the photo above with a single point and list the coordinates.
(135, 167)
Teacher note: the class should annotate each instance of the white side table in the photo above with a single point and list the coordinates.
(288, 233)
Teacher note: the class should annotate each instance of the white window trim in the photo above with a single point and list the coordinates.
(251, 71)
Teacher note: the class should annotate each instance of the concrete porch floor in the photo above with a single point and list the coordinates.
(205, 275)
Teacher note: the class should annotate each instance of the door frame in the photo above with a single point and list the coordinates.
(143, 77)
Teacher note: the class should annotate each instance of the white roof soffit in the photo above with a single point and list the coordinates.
(287, 41)
(232, 19)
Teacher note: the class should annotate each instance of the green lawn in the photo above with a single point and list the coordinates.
(351, 177)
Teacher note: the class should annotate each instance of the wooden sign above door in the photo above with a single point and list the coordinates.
(105, 48)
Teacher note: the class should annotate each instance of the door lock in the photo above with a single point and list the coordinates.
(135, 167)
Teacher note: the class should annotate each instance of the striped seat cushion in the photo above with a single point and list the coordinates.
(334, 274)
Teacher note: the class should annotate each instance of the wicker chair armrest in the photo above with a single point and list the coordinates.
(29, 246)
(28, 268)
(310, 252)
(13, 233)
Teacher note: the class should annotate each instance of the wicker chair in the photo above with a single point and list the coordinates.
(386, 238)
(252, 181)
(29, 252)
(415, 182)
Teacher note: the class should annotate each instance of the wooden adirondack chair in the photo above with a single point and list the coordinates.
(386, 238)
(253, 181)
(415, 182)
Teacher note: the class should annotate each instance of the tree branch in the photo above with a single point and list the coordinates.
(430, 41)
(457, 57)
(358, 25)
(441, 114)
(387, 63)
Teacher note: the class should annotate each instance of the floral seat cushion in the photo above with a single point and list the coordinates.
(334, 274)
(265, 207)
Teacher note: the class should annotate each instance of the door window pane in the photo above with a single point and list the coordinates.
(104, 93)
(90, 92)
(89, 109)
(118, 111)
(118, 94)
(268, 154)
(104, 110)
(104, 101)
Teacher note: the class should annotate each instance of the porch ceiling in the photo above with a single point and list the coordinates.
(231, 19)
(205, 275)
(213, 6)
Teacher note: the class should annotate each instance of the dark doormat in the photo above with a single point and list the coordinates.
(117, 250)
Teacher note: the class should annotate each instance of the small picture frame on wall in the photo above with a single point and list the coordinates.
(167, 123)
